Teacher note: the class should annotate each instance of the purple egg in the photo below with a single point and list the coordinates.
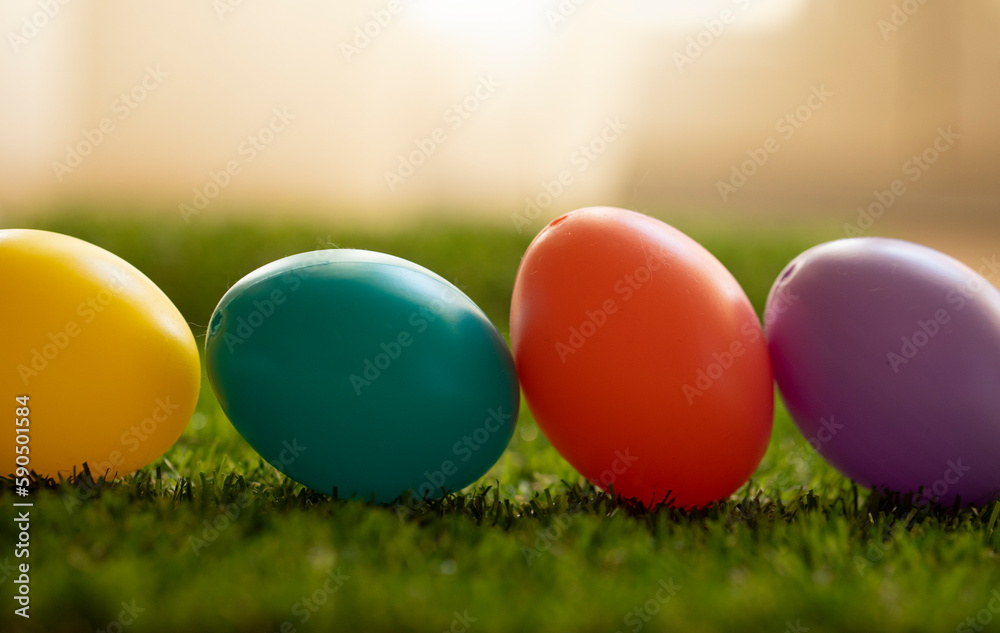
(887, 355)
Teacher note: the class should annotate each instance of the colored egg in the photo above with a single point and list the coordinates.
(641, 358)
(887, 354)
(107, 366)
(363, 374)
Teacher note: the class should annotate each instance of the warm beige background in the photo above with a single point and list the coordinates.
(558, 84)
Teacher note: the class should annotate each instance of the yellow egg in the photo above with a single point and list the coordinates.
(108, 364)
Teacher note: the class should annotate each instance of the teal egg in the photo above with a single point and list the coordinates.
(363, 373)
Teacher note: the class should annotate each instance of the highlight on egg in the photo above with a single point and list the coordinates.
(641, 358)
(887, 355)
(105, 367)
(360, 374)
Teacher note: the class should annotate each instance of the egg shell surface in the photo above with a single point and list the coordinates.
(363, 374)
(641, 358)
(109, 365)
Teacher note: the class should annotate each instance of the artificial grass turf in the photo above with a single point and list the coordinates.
(211, 538)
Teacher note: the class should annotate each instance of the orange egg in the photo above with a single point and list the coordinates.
(641, 358)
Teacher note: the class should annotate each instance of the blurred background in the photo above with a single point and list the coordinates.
(201, 140)
(879, 115)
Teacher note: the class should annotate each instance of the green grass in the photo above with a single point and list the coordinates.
(529, 548)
